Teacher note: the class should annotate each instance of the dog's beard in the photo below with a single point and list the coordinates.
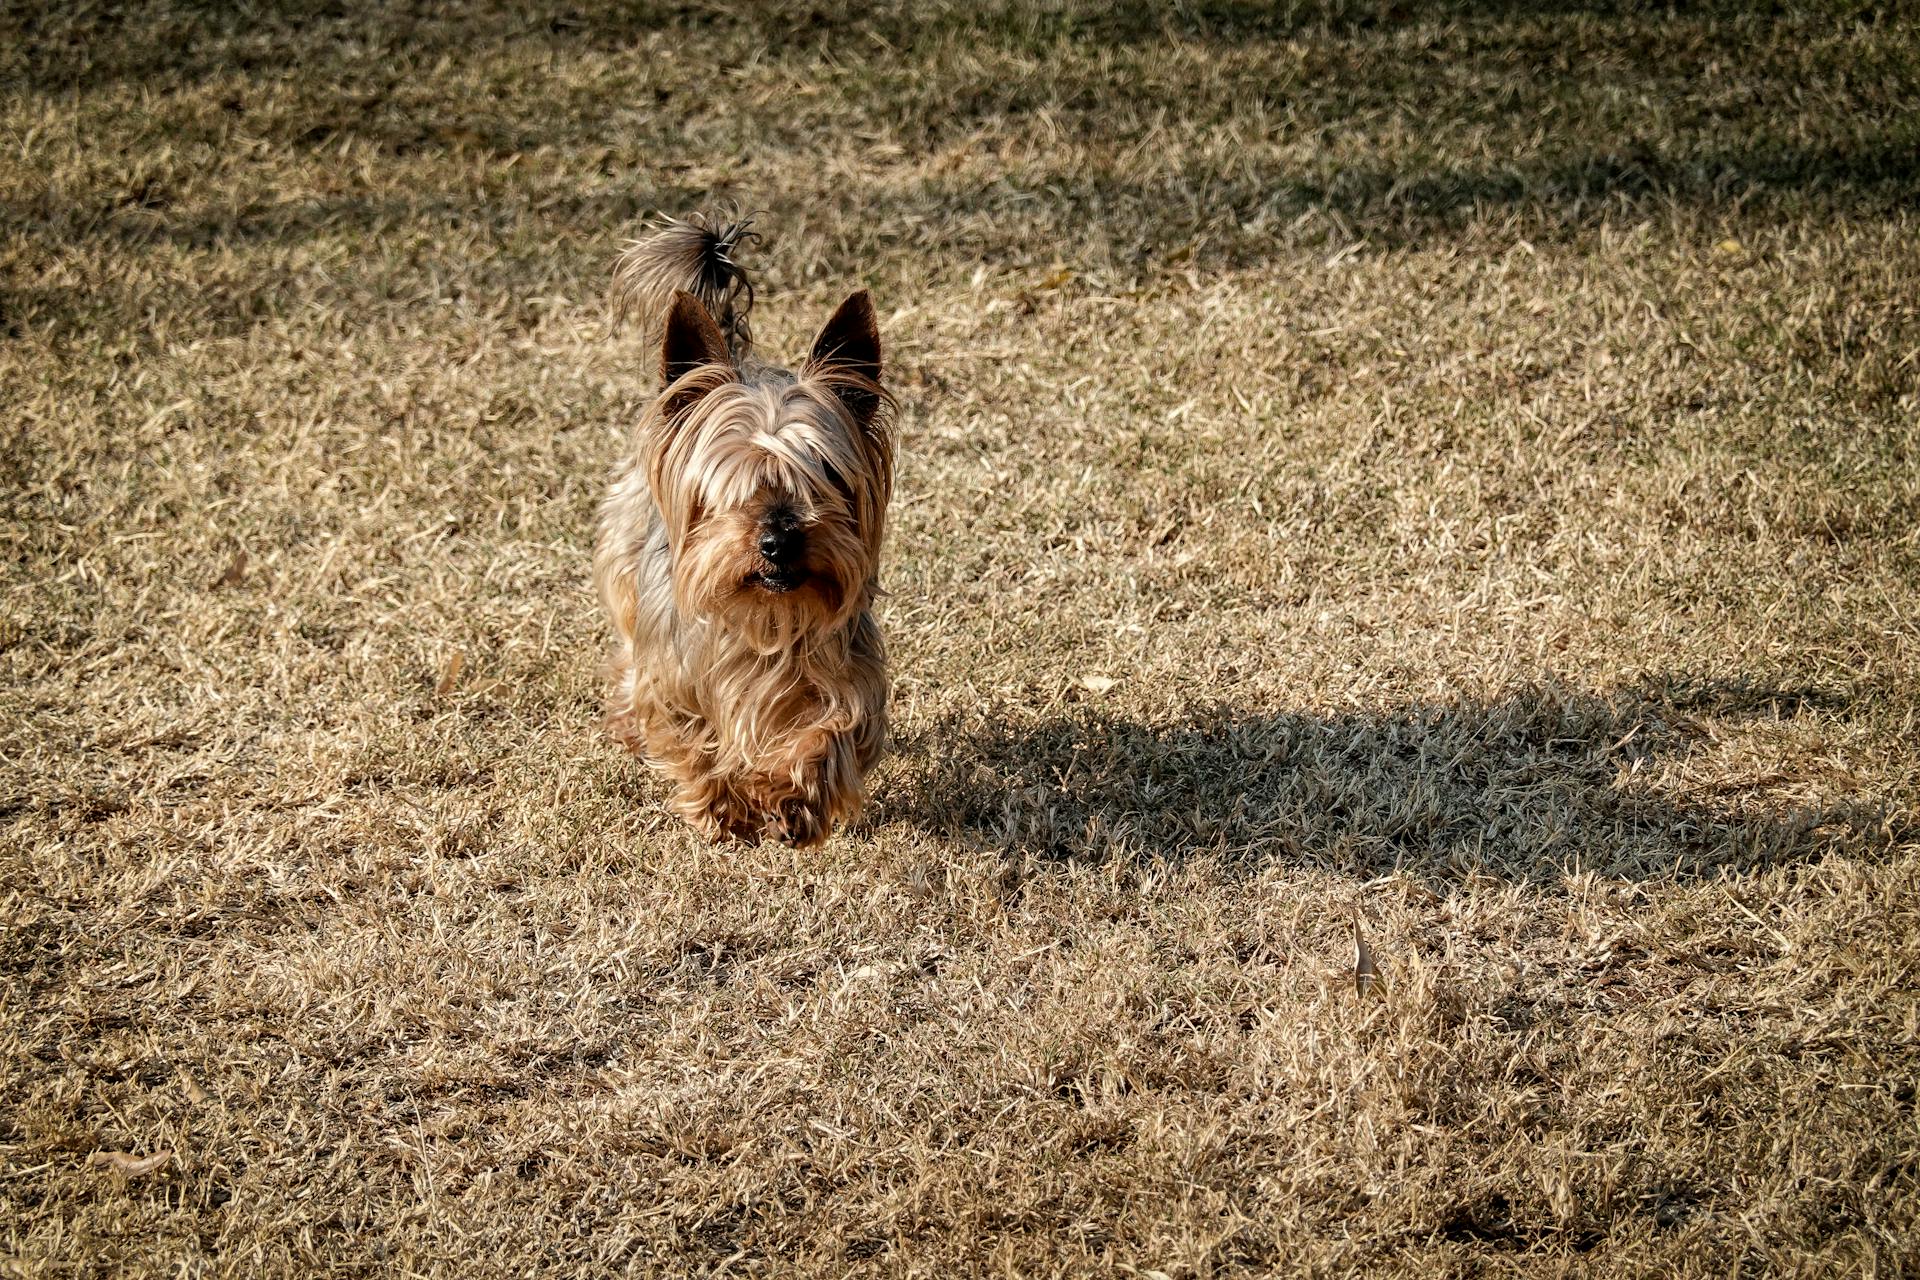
(720, 576)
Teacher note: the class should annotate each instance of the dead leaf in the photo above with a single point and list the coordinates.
(236, 571)
(1366, 975)
(458, 136)
(450, 674)
(1098, 684)
(128, 1165)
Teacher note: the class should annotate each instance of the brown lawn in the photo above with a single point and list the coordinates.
(1447, 466)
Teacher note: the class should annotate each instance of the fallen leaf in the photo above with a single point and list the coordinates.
(236, 571)
(1366, 975)
(450, 674)
(128, 1165)
(1098, 684)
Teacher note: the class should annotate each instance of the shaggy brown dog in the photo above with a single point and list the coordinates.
(738, 552)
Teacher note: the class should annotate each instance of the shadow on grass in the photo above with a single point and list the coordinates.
(1525, 788)
(91, 47)
(350, 63)
(1242, 217)
(1241, 208)
(1243, 212)
(302, 81)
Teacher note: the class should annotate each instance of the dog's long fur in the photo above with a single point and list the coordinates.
(759, 687)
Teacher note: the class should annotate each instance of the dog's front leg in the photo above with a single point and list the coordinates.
(819, 788)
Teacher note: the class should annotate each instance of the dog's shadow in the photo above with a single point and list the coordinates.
(1526, 787)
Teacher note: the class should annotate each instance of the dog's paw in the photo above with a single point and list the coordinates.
(799, 824)
(728, 817)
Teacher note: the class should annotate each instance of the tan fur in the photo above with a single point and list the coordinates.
(766, 707)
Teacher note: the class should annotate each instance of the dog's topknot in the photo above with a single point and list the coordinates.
(694, 254)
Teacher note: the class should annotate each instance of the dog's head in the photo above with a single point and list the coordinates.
(773, 485)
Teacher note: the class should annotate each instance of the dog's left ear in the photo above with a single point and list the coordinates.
(850, 342)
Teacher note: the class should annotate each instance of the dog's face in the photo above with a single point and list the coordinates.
(774, 489)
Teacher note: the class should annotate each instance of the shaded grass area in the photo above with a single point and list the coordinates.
(1525, 789)
(1442, 470)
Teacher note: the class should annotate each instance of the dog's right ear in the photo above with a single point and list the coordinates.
(693, 341)
(850, 344)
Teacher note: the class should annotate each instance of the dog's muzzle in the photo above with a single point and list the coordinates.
(782, 545)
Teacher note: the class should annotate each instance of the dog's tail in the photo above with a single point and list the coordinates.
(695, 254)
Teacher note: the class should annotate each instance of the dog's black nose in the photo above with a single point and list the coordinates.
(780, 538)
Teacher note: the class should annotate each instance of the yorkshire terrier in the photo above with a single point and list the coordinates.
(739, 547)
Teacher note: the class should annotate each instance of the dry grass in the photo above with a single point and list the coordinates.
(1477, 446)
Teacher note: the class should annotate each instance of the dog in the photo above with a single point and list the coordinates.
(738, 550)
